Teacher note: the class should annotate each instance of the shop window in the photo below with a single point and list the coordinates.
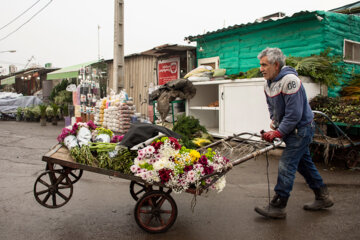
(214, 62)
(351, 51)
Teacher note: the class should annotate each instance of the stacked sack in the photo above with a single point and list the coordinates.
(99, 112)
(117, 117)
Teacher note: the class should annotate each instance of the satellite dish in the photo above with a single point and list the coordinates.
(71, 88)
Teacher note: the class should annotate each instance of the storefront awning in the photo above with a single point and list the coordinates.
(7, 81)
(68, 72)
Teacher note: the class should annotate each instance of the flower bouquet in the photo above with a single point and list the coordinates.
(76, 139)
(177, 167)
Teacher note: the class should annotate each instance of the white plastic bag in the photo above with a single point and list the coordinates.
(84, 136)
(105, 138)
(70, 142)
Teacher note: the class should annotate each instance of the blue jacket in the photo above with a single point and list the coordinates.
(287, 101)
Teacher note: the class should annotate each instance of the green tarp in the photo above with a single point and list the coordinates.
(9, 80)
(68, 72)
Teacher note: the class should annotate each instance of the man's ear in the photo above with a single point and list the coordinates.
(277, 66)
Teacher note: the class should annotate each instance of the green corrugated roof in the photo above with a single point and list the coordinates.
(68, 72)
(9, 80)
(260, 23)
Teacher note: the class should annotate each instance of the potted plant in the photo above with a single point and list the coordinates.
(66, 114)
(55, 108)
(42, 114)
(19, 113)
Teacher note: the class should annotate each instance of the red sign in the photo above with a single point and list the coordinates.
(168, 70)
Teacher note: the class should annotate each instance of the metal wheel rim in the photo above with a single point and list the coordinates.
(54, 186)
(73, 174)
(155, 212)
(138, 189)
(352, 159)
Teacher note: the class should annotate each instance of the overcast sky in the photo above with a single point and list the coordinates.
(65, 32)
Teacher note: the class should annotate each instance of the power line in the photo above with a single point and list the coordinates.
(20, 15)
(26, 21)
(7, 62)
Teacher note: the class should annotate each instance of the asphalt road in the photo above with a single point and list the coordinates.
(102, 208)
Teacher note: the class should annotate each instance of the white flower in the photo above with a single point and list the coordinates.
(134, 168)
(219, 185)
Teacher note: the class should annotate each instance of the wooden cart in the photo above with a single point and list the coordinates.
(338, 146)
(155, 210)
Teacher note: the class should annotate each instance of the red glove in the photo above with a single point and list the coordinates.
(270, 135)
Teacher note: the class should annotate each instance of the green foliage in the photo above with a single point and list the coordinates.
(102, 130)
(35, 112)
(19, 112)
(60, 87)
(322, 68)
(42, 108)
(63, 97)
(251, 73)
(55, 108)
(65, 110)
(352, 88)
(338, 109)
(123, 161)
(49, 112)
(189, 128)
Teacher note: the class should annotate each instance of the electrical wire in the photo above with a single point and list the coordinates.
(267, 175)
(26, 21)
(19, 15)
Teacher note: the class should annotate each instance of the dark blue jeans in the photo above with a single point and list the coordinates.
(296, 157)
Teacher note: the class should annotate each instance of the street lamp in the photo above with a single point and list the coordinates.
(11, 51)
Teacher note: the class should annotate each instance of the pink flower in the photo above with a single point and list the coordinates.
(117, 138)
(91, 125)
(64, 133)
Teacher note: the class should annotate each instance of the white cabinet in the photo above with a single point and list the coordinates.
(242, 105)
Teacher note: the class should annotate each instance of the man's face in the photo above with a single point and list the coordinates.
(268, 70)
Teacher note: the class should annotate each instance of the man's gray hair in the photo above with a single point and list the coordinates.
(273, 55)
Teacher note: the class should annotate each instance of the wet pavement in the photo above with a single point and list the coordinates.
(102, 208)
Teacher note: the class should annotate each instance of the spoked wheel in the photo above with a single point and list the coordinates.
(53, 189)
(73, 174)
(352, 159)
(138, 189)
(155, 212)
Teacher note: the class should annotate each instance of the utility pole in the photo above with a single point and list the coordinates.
(118, 62)
(98, 42)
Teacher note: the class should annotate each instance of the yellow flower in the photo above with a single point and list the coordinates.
(194, 155)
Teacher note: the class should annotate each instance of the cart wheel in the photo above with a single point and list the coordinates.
(54, 185)
(138, 189)
(352, 159)
(155, 212)
(73, 174)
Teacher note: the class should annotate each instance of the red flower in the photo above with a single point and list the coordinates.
(165, 175)
(209, 170)
(203, 160)
(174, 142)
(188, 168)
(156, 145)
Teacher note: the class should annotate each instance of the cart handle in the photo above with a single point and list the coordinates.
(336, 127)
(245, 158)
